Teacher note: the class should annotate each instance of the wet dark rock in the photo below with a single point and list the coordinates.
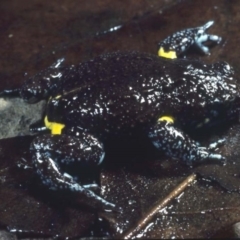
(16, 116)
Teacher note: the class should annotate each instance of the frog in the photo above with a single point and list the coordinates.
(122, 92)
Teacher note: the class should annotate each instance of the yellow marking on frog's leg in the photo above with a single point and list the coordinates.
(170, 54)
(168, 119)
(56, 128)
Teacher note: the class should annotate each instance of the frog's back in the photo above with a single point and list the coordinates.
(122, 90)
(117, 88)
(114, 69)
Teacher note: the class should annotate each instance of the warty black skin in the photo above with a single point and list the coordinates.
(118, 93)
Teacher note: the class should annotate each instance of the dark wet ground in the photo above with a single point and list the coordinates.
(36, 33)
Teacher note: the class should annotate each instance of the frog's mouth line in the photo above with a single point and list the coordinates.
(64, 94)
(31, 100)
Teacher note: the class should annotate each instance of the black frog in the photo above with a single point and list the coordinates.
(119, 92)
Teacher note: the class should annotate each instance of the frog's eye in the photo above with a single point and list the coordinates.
(28, 96)
(31, 94)
(41, 85)
(34, 90)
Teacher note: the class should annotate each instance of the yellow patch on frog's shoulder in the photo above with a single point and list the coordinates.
(170, 54)
(56, 128)
(168, 119)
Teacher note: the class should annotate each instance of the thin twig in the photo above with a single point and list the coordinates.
(150, 214)
(206, 211)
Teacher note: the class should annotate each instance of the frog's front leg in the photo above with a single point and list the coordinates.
(176, 144)
(50, 152)
(179, 42)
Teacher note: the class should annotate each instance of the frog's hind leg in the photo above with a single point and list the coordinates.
(50, 151)
(179, 42)
(177, 144)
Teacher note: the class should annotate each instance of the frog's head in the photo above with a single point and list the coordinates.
(42, 84)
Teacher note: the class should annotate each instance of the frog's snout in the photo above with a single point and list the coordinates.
(28, 96)
(31, 94)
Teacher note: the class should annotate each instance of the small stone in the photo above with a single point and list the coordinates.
(7, 236)
(236, 229)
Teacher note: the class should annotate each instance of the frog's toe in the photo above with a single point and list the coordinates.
(206, 152)
(203, 48)
(201, 36)
(58, 63)
(215, 145)
(115, 209)
(207, 25)
(92, 187)
(107, 206)
(214, 38)
(205, 155)
(218, 157)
